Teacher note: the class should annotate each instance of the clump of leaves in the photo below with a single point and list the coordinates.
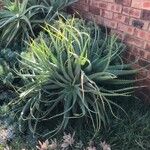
(20, 19)
(7, 60)
(72, 73)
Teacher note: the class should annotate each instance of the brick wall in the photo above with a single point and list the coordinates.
(130, 20)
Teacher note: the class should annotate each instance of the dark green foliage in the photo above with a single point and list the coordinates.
(132, 133)
(8, 59)
(71, 73)
(71, 76)
(126, 133)
(20, 20)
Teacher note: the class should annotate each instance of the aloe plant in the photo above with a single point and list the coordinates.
(71, 72)
(19, 20)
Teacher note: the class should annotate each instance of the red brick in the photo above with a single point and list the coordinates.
(126, 28)
(110, 23)
(143, 73)
(84, 2)
(141, 4)
(132, 12)
(146, 5)
(145, 15)
(98, 19)
(119, 34)
(135, 50)
(137, 4)
(124, 2)
(100, 4)
(107, 14)
(147, 47)
(106, 22)
(79, 7)
(138, 23)
(139, 52)
(109, 1)
(134, 41)
(133, 58)
(87, 15)
(148, 56)
(114, 7)
(88, 1)
(94, 10)
(142, 54)
(121, 18)
(142, 34)
(126, 56)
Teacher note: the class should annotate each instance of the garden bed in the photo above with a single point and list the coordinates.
(64, 84)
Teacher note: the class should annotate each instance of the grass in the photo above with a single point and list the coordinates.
(132, 133)
(128, 133)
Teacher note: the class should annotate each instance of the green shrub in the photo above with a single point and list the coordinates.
(21, 19)
(7, 60)
(73, 72)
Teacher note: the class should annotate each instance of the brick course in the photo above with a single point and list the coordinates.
(141, 4)
(129, 20)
